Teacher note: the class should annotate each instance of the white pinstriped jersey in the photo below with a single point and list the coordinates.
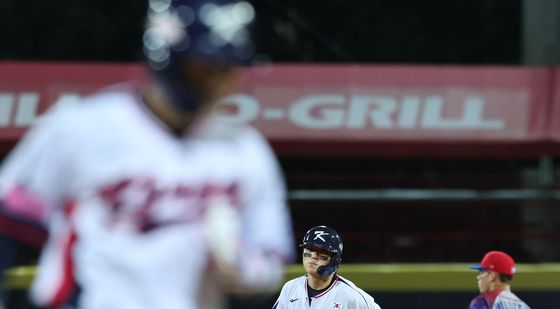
(123, 199)
(341, 294)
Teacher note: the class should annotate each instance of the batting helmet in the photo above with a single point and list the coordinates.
(215, 32)
(326, 239)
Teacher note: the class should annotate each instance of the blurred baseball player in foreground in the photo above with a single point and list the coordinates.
(496, 270)
(143, 191)
(322, 287)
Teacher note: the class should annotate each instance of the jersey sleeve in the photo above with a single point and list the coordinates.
(365, 301)
(371, 304)
(32, 178)
(266, 221)
(266, 213)
(279, 304)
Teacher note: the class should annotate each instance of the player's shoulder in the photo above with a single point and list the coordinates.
(348, 283)
(244, 137)
(109, 100)
(294, 285)
(351, 290)
(220, 128)
(479, 302)
(296, 281)
(509, 297)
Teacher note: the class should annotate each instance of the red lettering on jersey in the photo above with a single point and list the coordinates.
(140, 205)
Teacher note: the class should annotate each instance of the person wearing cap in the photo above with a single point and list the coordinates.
(322, 286)
(496, 270)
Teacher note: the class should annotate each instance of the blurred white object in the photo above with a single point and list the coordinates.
(223, 231)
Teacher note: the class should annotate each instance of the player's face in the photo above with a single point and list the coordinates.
(485, 279)
(312, 259)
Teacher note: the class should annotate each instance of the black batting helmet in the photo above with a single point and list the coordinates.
(326, 239)
(214, 32)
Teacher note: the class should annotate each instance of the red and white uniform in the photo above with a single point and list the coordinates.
(124, 201)
(497, 299)
(341, 294)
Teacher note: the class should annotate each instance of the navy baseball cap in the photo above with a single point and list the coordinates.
(497, 261)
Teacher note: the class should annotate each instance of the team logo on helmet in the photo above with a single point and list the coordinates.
(320, 234)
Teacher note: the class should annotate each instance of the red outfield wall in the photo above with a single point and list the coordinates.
(340, 109)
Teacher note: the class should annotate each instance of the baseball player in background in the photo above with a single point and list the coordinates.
(496, 270)
(149, 199)
(322, 287)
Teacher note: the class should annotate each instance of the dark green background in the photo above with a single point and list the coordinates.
(373, 31)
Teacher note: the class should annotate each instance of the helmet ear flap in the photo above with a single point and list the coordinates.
(326, 270)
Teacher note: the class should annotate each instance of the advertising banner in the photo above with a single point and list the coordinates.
(317, 108)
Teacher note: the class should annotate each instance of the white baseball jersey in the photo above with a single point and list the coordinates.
(341, 294)
(124, 200)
